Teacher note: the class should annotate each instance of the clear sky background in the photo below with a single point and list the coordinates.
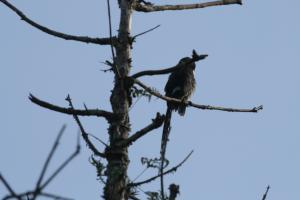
(253, 59)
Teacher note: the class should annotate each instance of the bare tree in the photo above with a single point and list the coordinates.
(118, 186)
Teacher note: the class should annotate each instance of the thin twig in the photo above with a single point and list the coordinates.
(153, 8)
(83, 133)
(62, 166)
(91, 112)
(86, 39)
(46, 164)
(96, 138)
(111, 39)
(190, 103)
(266, 193)
(147, 31)
(156, 123)
(195, 58)
(173, 169)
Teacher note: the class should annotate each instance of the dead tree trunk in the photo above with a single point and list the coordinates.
(117, 156)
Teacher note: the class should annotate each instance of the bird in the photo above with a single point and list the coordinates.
(181, 85)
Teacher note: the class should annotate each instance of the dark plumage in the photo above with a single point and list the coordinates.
(181, 84)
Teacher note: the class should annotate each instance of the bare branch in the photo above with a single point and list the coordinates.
(189, 103)
(83, 133)
(92, 112)
(61, 167)
(46, 164)
(86, 39)
(153, 8)
(8, 187)
(266, 193)
(38, 191)
(173, 169)
(137, 35)
(156, 123)
(195, 58)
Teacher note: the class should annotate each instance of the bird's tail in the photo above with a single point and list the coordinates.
(164, 141)
(181, 110)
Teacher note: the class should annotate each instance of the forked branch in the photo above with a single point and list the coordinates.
(190, 103)
(40, 185)
(86, 39)
(84, 134)
(154, 8)
(156, 123)
(87, 112)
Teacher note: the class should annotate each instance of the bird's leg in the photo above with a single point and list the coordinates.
(184, 100)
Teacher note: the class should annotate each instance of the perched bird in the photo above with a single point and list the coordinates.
(181, 84)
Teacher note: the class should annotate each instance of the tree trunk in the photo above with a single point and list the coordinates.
(117, 157)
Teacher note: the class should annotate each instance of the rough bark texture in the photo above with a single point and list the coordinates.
(117, 156)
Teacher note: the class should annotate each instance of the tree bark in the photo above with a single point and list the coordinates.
(117, 157)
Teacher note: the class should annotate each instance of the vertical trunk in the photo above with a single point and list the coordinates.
(118, 157)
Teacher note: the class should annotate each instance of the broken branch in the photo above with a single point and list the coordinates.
(87, 112)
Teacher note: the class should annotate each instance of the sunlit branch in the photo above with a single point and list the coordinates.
(154, 8)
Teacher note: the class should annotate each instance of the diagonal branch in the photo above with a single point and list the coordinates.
(38, 190)
(156, 123)
(86, 39)
(266, 193)
(154, 8)
(87, 112)
(189, 103)
(61, 167)
(83, 133)
(195, 58)
(46, 164)
(173, 169)
(8, 187)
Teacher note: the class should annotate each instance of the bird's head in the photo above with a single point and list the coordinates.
(188, 63)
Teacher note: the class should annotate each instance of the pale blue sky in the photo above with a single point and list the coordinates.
(253, 59)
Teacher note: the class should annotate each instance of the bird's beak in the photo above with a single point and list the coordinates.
(201, 57)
